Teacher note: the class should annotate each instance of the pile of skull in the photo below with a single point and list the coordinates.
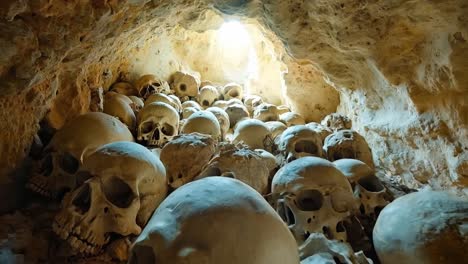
(216, 176)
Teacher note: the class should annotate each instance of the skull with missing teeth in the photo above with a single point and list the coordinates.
(125, 183)
(312, 195)
(299, 141)
(149, 84)
(185, 84)
(348, 144)
(70, 144)
(157, 124)
(367, 187)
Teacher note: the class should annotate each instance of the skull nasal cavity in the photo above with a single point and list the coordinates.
(371, 184)
(310, 200)
(305, 146)
(118, 192)
(83, 199)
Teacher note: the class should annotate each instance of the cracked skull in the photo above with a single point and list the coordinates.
(149, 84)
(347, 144)
(312, 195)
(299, 141)
(76, 139)
(367, 187)
(123, 184)
(157, 124)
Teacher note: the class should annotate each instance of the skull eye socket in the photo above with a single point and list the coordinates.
(168, 130)
(147, 127)
(305, 146)
(310, 200)
(47, 165)
(206, 103)
(371, 184)
(183, 87)
(156, 84)
(69, 164)
(82, 200)
(118, 192)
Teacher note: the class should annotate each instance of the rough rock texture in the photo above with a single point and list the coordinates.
(397, 68)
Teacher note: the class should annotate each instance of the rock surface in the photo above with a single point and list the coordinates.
(398, 69)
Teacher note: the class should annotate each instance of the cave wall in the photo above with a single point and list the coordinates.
(397, 68)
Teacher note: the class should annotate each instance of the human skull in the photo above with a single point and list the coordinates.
(317, 249)
(120, 106)
(157, 124)
(252, 167)
(291, 119)
(336, 121)
(124, 88)
(185, 156)
(150, 84)
(160, 97)
(366, 186)
(185, 84)
(223, 119)
(203, 122)
(276, 129)
(266, 112)
(220, 103)
(176, 101)
(207, 96)
(137, 103)
(254, 133)
(312, 195)
(423, 227)
(236, 113)
(70, 144)
(251, 102)
(233, 90)
(299, 141)
(125, 184)
(188, 111)
(191, 104)
(347, 144)
(246, 229)
(322, 130)
(282, 109)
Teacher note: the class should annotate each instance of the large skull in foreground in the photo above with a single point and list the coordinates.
(425, 227)
(185, 156)
(126, 182)
(157, 124)
(211, 221)
(150, 84)
(63, 156)
(312, 195)
(347, 144)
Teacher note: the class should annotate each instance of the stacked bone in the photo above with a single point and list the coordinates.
(251, 182)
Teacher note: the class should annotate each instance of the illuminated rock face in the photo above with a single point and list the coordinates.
(398, 70)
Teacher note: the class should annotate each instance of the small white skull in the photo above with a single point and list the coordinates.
(124, 184)
(150, 84)
(203, 122)
(348, 144)
(423, 227)
(207, 96)
(65, 152)
(157, 124)
(266, 112)
(223, 119)
(233, 90)
(299, 141)
(160, 97)
(251, 102)
(185, 84)
(124, 88)
(245, 228)
(367, 187)
(336, 121)
(236, 113)
(312, 195)
(185, 156)
(254, 133)
(120, 106)
(252, 167)
(291, 119)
